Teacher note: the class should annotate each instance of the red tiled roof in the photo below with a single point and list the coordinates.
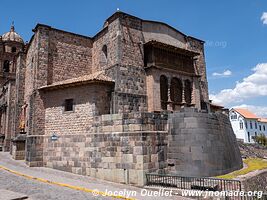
(246, 113)
(262, 120)
(95, 77)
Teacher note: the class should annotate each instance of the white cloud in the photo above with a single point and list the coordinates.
(260, 111)
(252, 86)
(226, 73)
(264, 18)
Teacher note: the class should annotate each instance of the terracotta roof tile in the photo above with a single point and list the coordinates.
(97, 76)
(246, 113)
(262, 120)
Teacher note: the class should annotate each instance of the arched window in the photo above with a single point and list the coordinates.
(163, 92)
(176, 92)
(105, 50)
(104, 56)
(188, 91)
(6, 66)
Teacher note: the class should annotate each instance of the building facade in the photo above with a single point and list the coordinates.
(247, 125)
(130, 100)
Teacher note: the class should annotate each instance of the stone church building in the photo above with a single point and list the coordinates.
(130, 100)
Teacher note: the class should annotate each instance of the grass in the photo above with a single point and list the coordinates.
(252, 165)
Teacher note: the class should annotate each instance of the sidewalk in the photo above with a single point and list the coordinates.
(77, 182)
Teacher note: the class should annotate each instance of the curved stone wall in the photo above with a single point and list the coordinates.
(201, 144)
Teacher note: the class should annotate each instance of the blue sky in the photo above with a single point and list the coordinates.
(235, 35)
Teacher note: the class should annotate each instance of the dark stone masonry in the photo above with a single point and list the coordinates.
(130, 100)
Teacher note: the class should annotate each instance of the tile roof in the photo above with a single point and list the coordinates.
(94, 77)
(246, 113)
(262, 120)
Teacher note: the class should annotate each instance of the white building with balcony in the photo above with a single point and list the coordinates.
(246, 125)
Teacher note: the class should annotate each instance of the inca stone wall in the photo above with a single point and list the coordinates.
(119, 148)
(201, 144)
(123, 147)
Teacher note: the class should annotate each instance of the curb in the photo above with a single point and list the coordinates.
(95, 192)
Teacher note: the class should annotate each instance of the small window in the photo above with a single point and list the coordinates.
(256, 125)
(14, 49)
(264, 127)
(241, 125)
(105, 51)
(246, 124)
(248, 137)
(233, 116)
(104, 56)
(260, 127)
(68, 104)
(251, 125)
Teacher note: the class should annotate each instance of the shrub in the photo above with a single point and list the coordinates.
(261, 139)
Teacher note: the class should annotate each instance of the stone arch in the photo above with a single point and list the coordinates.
(188, 91)
(176, 92)
(163, 91)
(6, 67)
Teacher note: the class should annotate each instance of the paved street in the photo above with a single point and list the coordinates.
(37, 190)
(41, 191)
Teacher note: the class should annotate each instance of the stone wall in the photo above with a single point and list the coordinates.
(7, 116)
(130, 88)
(255, 181)
(201, 144)
(109, 37)
(200, 66)
(34, 150)
(89, 100)
(36, 75)
(123, 147)
(70, 55)
(52, 56)
(19, 91)
(119, 148)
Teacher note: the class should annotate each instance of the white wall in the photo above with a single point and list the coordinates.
(249, 129)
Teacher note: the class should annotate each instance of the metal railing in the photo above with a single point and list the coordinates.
(192, 183)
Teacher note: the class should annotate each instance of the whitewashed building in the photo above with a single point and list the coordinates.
(246, 125)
